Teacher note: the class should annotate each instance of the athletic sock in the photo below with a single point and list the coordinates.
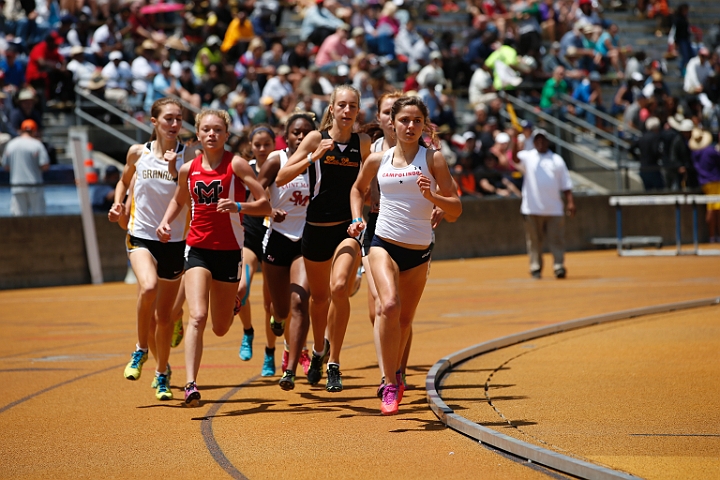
(249, 331)
(137, 347)
(269, 351)
(331, 363)
(286, 346)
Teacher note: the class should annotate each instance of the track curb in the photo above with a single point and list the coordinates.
(539, 455)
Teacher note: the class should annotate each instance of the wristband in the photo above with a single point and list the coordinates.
(310, 159)
(356, 220)
(239, 206)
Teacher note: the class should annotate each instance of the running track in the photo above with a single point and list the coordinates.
(68, 412)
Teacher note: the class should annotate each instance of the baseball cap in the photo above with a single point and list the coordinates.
(213, 40)
(115, 55)
(283, 70)
(26, 94)
(502, 137)
(28, 125)
(540, 132)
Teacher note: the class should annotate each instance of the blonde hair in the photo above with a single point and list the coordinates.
(208, 112)
(255, 43)
(327, 119)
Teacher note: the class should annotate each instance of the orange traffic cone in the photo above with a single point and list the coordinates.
(91, 174)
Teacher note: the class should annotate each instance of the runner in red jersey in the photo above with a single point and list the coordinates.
(214, 185)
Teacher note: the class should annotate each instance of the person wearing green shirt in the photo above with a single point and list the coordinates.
(552, 90)
(509, 57)
(210, 53)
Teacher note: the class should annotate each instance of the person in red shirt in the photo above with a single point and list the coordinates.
(46, 70)
(214, 184)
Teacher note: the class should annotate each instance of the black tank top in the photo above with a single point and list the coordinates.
(253, 225)
(331, 179)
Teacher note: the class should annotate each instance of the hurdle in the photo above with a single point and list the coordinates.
(696, 200)
(678, 200)
(625, 201)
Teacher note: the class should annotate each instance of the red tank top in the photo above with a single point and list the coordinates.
(209, 228)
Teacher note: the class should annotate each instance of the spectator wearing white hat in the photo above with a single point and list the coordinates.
(357, 42)
(144, 68)
(81, 69)
(678, 170)
(118, 75)
(706, 159)
(278, 85)
(648, 151)
(433, 69)
(546, 184)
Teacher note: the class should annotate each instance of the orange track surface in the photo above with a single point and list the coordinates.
(67, 411)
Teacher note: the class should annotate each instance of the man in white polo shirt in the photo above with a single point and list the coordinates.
(546, 182)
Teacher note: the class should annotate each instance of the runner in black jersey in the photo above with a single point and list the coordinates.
(262, 143)
(334, 155)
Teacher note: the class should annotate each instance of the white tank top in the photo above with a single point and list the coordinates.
(154, 188)
(293, 198)
(377, 145)
(404, 213)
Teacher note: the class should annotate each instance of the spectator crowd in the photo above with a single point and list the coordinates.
(233, 55)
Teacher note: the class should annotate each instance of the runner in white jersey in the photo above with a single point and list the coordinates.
(283, 265)
(412, 180)
(154, 186)
(157, 266)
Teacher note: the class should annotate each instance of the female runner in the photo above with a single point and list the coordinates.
(262, 143)
(283, 266)
(157, 266)
(381, 144)
(408, 175)
(215, 184)
(334, 155)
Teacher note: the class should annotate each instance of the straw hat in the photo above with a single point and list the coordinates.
(176, 43)
(699, 139)
(148, 45)
(96, 82)
(221, 90)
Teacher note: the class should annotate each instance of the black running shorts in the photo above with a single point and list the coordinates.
(406, 258)
(223, 265)
(168, 256)
(319, 243)
(279, 250)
